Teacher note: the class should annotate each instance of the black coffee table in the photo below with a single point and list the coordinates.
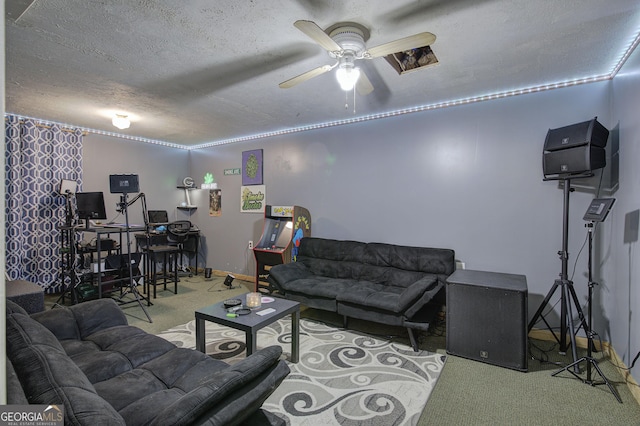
(251, 323)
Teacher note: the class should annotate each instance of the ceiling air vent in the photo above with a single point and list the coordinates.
(412, 60)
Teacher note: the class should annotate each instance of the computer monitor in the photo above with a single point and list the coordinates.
(158, 216)
(124, 184)
(90, 206)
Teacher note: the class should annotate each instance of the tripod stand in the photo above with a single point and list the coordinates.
(598, 209)
(568, 293)
(68, 250)
(132, 287)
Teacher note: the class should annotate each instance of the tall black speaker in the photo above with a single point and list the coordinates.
(575, 149)
(487, 317)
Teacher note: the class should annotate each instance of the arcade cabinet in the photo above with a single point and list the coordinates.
(284, 227)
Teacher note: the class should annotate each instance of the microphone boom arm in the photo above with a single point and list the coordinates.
(125, 204)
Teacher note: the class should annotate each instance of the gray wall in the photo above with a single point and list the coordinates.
(467, 178)
(159, 168)
(619, 297)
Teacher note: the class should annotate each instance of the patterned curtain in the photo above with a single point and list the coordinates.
(37, 158)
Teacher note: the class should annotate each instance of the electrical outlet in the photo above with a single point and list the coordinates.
(250, 245)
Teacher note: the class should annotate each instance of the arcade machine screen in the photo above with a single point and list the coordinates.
(277, 234)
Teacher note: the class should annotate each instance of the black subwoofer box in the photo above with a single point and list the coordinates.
(487, 317)
(575, 149)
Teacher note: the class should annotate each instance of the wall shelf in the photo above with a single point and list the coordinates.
(189, 206)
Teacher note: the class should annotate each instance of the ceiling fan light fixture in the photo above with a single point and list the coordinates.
(347, 73)
(347, 77)
(121, 121)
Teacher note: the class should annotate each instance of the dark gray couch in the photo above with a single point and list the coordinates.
(106, 372)
(384, 283)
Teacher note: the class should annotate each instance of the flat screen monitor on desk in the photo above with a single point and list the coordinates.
(90, 206)
(158, 217)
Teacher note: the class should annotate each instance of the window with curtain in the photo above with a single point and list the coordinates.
(37, 158)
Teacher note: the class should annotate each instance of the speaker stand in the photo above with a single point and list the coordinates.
(132, 287)
(591, 362)
(568, 293)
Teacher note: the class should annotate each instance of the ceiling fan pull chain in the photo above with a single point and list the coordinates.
(354, 99)
(346, 100)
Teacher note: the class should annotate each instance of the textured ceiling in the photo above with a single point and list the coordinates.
(200, 71)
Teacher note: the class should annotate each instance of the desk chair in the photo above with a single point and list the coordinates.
(177, 235)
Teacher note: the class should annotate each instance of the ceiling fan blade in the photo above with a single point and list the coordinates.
(305, 76)
(364, 86)
(318, 35)
(416, 40)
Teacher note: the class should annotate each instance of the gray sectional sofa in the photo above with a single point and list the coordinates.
(106, 372)
(384, 283)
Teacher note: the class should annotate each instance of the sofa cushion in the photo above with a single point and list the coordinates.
(23, 331)
(224, 397)
(385, 297)
(388, 275)
(81, 320)
(376, 262)
(129, 392)
(336, 250)
(49, 376)
(333, 269)
(373, 295)
(183, 384)
(116, 350)
(423, 259)
(319, 286)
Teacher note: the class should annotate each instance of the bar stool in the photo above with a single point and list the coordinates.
(155, 252)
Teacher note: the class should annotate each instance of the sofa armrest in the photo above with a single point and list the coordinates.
(83, 319)
(231, 395)
(15, 393)
(424, 298)
(283, 273)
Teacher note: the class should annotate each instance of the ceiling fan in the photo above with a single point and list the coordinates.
(345, 42)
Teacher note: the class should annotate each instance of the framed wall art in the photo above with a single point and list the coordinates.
(252, 167)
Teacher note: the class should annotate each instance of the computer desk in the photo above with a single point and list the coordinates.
(160, 238)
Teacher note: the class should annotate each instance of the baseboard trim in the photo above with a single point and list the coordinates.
(606, 348)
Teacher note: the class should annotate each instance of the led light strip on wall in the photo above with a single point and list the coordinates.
(67, 126)
(420, 108)
(523, 91)
(352, 120)
(628, 50)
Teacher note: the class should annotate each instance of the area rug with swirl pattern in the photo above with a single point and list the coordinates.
(343, 378)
